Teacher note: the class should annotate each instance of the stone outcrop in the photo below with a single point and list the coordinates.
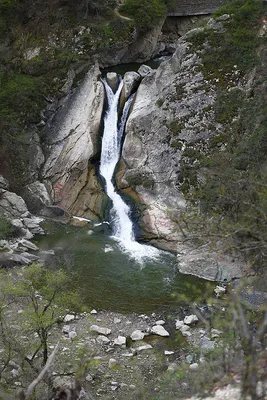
(155, 141)
(145, 46)
(72, 145)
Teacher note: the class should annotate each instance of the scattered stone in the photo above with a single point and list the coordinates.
(112, 363)
(101, 339)
(93, 312)
(72, 335)
(89, 378)
(116, 320)
(193, 367)
(145, 346)
(137, 335)
(28, 244)
(189, 358)
(219, 291)
(160, 322)
(132, 386)
(207, 345)
(100, 330)
(190, 319)
(159, 330)
(179, 324)
(215, 333)
(68, 318)
(120, 341)
(168, 353)
(14, 372)
(172, 367)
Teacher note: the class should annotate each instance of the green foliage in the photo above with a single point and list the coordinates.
(6, 229)
(228, 104)
(146, 13)
(237, 46)
(46, 297)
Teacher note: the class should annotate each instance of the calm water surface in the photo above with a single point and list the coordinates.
(109, 279)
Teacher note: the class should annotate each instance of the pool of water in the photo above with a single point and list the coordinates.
(108, 279)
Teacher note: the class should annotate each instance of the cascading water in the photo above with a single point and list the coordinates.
(111, 144)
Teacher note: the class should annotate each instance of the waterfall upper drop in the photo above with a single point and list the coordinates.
(110, 153)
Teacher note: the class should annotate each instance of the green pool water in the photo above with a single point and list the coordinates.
(108, 279)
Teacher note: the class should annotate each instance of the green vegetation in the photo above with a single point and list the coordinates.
(239, 44)
(146, 13)
(6, 229)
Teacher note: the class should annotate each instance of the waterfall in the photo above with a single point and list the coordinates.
(122, 226)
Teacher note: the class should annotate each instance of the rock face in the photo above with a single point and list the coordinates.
(131, 81)
(173, 113)
(73, 144)
(144, 47)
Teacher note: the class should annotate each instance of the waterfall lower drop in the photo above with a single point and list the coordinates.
(110, 153)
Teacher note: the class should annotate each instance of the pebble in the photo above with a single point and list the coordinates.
(168, 353)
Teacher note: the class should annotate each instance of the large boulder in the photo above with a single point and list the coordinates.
(113, 80)
(11, 205)
(73, 142)
(36, 196)
(131, 82)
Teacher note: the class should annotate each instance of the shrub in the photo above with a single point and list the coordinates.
(6, 229)
(146, 13)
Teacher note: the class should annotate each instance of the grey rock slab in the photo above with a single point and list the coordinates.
(69, 318)
(101, 339)
(131, 81)
(11, 205)
(190, 319)
(120, 341)
(100, 330)
(137, 335)
(4, 184)
(144, 70)
(159, 330)
(145, 346)
(113, 80)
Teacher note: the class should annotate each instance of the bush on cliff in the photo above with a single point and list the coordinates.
(146, 13)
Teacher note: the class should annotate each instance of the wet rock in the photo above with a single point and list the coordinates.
(113, 80)
(100, 330)
(159, 330)
(131, 81)
(137, 335)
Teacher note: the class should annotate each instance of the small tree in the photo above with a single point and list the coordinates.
(45, 296)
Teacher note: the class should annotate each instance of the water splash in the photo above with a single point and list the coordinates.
(122, 226)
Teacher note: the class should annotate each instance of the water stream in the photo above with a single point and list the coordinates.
(122, 226)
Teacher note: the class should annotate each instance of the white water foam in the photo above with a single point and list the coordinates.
(122, 225)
